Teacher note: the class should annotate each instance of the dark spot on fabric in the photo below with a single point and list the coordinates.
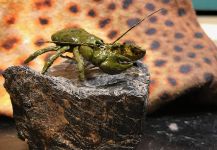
(73, 9)
(153, 19)
(169, 23)
(164, 11)
(185, 69)
(172, 81)
(165, 34)
(155, 45)
(181, 12)
(91, 13)
(197, 64)
(208, 77)
(150, 6)
(177, 58)
(139, 11)
(126, 3)
(132, 21)
(198, 46)
(186, 43)
(164, 96)
(165, 1)
(179, 35)
(151, 31)
(104, 22)
(112, 6)
(165, 53)
(207, 60)
(9, 43)
(168, 41)
(48, 3)
(70, 25)
(97, 0)
(178, 48)
(159, 63)
(191, 55)
(39, 42)
(112, 34)
(43, 21)
(45, 3)
(129, 42)
(10, 20)
(198, 35)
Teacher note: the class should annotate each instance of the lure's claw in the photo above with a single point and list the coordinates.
(116, 64)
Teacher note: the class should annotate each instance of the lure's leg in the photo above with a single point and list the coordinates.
(54, 57)
(80, 63)
(39, 52)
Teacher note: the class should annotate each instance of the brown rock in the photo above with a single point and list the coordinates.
(104, 112)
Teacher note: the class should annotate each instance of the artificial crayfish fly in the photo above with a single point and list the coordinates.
(111, 58)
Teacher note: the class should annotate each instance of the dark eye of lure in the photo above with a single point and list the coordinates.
(111, 58)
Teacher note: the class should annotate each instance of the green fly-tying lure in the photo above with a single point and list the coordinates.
(111, 58)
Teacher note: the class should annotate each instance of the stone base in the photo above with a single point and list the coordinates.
(104, 112)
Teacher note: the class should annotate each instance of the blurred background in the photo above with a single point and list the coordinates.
(207, 17)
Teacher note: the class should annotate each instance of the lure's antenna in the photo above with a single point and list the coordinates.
(136, 25)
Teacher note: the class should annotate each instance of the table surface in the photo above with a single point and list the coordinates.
(186, 130)
(8, 136)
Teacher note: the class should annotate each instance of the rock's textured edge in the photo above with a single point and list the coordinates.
(26, 115)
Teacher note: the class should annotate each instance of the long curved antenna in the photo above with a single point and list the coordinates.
(136, 25)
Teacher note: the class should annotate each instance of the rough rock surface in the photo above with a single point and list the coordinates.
(105, 112)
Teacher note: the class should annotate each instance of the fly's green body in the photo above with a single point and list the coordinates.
(110, 58)
(75, 36)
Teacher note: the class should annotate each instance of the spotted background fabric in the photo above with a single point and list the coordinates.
(180, 56)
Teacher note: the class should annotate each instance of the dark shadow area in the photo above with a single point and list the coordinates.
(195, 100)
(206, 13)
(187, 123)
(3, 120)
(8, 136)
(185, 105)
